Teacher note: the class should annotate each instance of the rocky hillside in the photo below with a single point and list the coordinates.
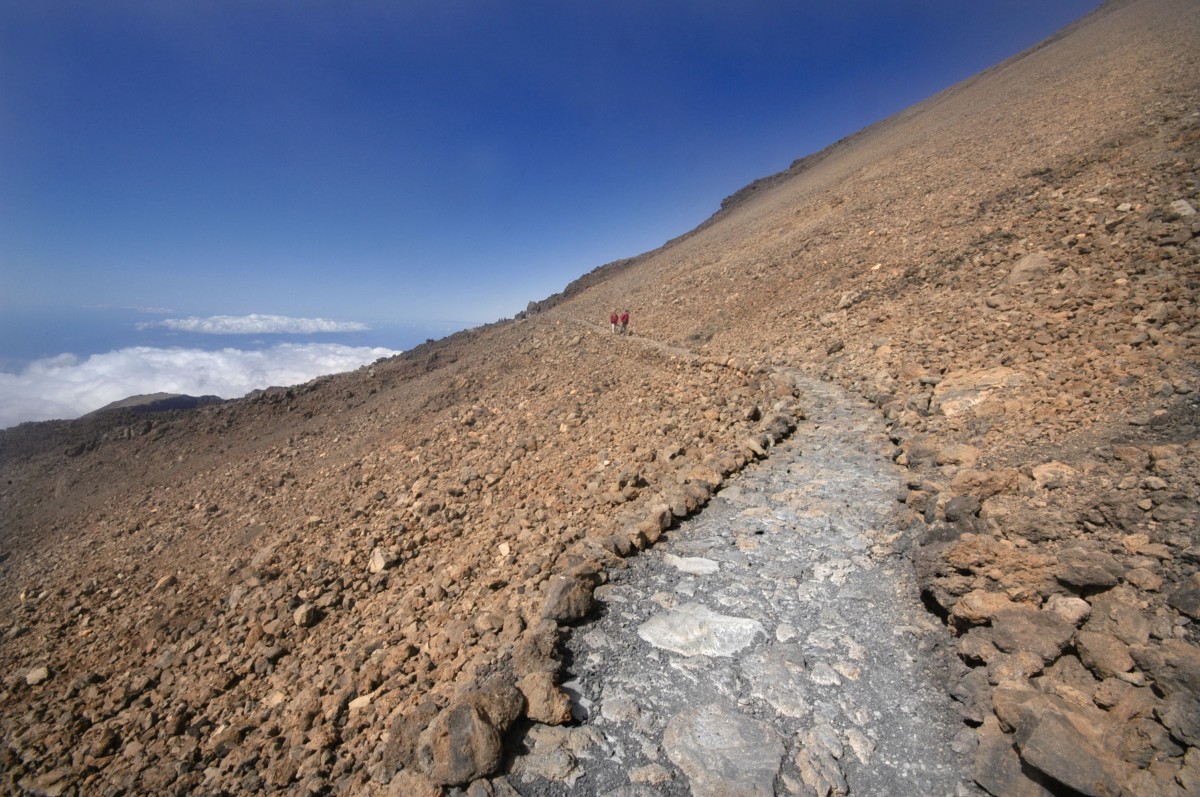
(358, 585)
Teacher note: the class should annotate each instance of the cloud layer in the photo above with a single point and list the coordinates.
(254, 324)
(67, 386)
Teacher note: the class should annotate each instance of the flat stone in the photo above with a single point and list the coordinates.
(1028, 268)
(998, 769)
(1050, 743)
(1181, 713)
(980, 606)
(963, 392)
(1187, 598)
(1103, 654)
(693, 629)
(1054, 475)
(694, 565)
(1174, 665)
(651, 773)
(723, 753)
(1083, 568)
(1119, 612)
(1072, 609)
(775, 676)
(1041, 632)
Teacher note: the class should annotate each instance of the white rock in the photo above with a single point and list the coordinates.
(694, 630)
(695, 565)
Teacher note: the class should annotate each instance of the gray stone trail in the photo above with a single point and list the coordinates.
(773, 644)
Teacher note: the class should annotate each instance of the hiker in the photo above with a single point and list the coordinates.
(612, 319)
(624, 322)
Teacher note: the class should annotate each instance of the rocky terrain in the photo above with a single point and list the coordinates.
(378, 583)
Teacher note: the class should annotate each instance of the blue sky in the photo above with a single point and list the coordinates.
(389, 161)
(410, 162)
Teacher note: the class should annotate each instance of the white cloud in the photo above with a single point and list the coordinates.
(67, 386)
(254, 324)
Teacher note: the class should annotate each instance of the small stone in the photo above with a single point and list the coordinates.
(694, 565)
(37, 675)
(1072, 609)
(1103, 654)
(1187, 598)
(961, 507)
(979, 606)
(545, 702)
(569, 598)
(1084, 568)
(651, 773)
(723, 753)
(381, 559)
(1054, 475)
(305, 615)
(1182, 208)
(1025, 629)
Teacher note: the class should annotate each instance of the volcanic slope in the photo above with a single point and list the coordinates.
(359, 585)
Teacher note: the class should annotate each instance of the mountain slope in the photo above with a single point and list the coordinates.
(317, 587)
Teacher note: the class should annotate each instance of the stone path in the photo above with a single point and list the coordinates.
(774, 644)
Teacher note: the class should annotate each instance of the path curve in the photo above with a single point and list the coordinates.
(773, 644)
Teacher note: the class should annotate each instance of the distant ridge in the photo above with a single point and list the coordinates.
(158, 402)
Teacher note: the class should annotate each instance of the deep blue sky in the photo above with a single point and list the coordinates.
(407, 161)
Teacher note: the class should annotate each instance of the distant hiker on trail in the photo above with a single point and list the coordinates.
(612, 319)
(624, 322)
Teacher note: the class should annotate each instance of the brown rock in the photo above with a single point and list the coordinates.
(1174, 665)
(998, 769)
(1054, 475)
(1083, 567)
(1025, 629)
(569, 598)
(1119, 612)
(537, 649)
(460, 745)
(545, 702)
(499, 698)
(1103, 654)
(1019, 667)
(1187, 598)
(984, 484)
(958, 454)
(1051, 744)
(979, 606)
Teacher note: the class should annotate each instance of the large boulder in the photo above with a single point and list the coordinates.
(460, 745)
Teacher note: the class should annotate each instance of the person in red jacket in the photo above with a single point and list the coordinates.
(612, 319)
(624, 322)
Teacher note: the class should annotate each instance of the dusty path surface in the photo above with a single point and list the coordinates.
(774, 644)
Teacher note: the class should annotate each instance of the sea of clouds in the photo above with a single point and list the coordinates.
(68, 386)
(253, 324)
